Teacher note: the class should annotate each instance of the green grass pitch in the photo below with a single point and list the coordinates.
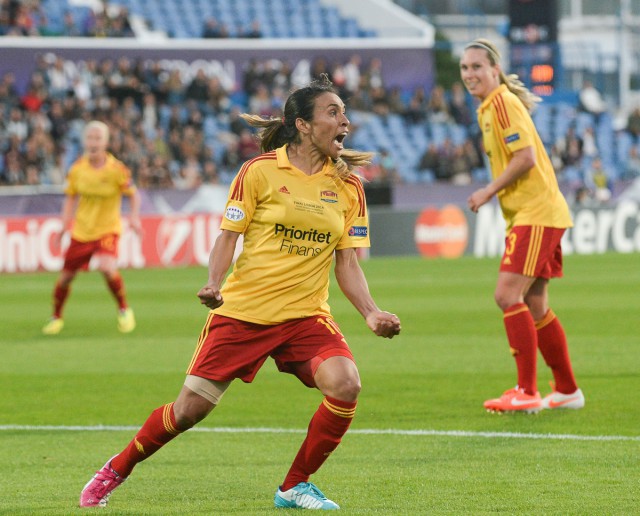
(451, 355)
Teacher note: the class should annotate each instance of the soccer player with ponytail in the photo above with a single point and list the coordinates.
(537, 216)
(297, 205)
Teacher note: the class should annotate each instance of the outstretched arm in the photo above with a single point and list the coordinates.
(219, 261)
(353, 284)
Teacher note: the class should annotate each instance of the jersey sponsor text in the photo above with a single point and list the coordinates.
(311, 235)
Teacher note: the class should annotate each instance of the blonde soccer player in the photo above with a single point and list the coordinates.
(537, 216)
(95, 185)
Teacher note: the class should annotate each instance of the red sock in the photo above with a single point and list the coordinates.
(60, 295)
(116, 285)
(330, 422)
(523, 341)
(552, 342)
(157, 431)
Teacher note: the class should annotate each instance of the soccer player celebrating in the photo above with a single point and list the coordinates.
(537, 216)
(95, 185)
(297, 206)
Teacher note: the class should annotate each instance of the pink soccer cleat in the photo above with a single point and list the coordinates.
(98, 490)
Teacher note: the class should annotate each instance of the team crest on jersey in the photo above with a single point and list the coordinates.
(358, 231)
(487, 127)
(234, 213)
(328, 196)
(512, 138)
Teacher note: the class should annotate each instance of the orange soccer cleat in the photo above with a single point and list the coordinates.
(515, 400)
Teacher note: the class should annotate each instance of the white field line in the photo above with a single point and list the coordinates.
(364, 431)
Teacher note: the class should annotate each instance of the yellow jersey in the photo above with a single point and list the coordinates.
(292, 223)
(99, 192)
(534, 199)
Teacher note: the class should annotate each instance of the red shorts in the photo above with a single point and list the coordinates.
(79, 254)
(229, 348)
(533, 251)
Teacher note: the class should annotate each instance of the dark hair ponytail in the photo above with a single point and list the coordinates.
(273, 133)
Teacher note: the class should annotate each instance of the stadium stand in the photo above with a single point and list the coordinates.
(180, 132)
(180, 112)
(213, 18)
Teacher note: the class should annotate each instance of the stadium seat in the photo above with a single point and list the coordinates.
(542, 117)
(480, 175)
(184, 18)
(458, 134)
(438, 133)
(623, 144)
(584, 121)
(412, 175)
(210, 126)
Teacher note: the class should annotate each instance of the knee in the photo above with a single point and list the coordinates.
(189, 414)
(109, 274)
(502, 300)
(352, 389)
(347, 389)
(66, 278)
(505, 298)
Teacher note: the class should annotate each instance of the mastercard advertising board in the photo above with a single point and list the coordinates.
(442, 232)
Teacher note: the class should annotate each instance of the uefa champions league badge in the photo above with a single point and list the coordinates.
(234, 213)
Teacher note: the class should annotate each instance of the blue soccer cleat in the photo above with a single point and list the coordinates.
(303, 496)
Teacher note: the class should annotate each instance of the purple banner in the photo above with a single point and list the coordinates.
(405, 63)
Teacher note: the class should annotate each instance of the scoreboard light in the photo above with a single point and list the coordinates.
(533, 38)
(542, 73)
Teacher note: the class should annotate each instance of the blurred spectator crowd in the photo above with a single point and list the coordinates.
(180, 130)
(31, 18)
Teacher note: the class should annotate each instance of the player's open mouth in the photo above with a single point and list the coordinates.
(339, 139)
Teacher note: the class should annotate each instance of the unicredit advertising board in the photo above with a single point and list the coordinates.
(27, 244)
(173, 240)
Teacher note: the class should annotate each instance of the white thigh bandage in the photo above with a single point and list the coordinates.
(208, 389)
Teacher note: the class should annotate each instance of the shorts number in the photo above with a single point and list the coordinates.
(108, 243)
(511, 243)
